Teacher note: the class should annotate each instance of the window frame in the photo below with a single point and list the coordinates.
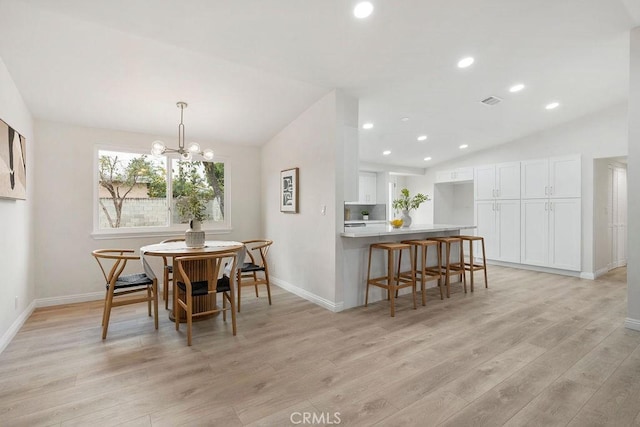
(222, 227)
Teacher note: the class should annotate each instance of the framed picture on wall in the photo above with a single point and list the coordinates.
(289, 190)
(13, 163)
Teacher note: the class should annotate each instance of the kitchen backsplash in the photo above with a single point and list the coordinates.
(354, 212)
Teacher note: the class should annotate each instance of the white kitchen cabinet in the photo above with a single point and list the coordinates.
(556, 177)
(552, 233)
(501, 181)
(498, 221)
(367, 188)
(456, 175)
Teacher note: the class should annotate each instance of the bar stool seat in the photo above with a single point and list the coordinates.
(472, 266)
(427, 273)
(451, 268)
(391, 281)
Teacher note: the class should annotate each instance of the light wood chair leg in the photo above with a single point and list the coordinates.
(176, 306)
(107, 311)
(266, 277)
(239, 277)
(165, 288)
(155, 302)
(224, 306)
(149, 297)
(255, 279)
(189, 316)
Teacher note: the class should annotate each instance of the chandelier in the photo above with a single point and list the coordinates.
(158, 147)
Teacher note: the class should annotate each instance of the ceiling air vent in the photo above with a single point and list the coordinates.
(492, 100)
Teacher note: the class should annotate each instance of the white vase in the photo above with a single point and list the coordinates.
(406, 219)
(194, 236)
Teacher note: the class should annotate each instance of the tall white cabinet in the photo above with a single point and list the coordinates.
(551, 213)
(497, 210)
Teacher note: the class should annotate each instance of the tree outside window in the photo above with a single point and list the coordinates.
(133, 190)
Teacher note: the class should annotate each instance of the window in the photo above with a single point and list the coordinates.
(139, 192)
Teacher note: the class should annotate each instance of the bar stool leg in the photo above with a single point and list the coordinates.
(439, 250)
(390, 283)
(448, 266)
(423, 272)
(484, 263)
(471, 263)
(413, 273)
(464, 275)
(366, 297)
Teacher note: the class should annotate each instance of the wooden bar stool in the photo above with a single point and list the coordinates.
(427, 273)
(391, 282)
(471, 266)
(451, 268)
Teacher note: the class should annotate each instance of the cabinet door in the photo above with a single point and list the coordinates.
(367, 188)
(445, 176)
(534, 179)
(508, 228)
(486, 227)
(565, 234)
(463, 174)
(534, 235)
(508, 180)
(565, 175)
(484, 182)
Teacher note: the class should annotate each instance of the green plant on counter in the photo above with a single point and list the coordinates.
(364, 213)
(406, 202)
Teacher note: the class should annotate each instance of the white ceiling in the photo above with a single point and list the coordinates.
(248, 67)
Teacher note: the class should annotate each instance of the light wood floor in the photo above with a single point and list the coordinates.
(533, 349)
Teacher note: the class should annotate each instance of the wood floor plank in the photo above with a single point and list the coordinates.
(533, 349)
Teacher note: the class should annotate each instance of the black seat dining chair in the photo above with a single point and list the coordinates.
(254, 270)
(202, 276)
(112, 263)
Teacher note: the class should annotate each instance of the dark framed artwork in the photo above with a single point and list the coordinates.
(13, 163)
(289, 190)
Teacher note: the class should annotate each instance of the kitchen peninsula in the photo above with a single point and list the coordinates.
(355, 250)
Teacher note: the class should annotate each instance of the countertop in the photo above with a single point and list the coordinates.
(388, 230)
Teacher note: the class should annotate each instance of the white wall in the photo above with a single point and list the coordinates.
(305, 249)
(16, 222)
(603, 134)
(66, 271)
(633, 175)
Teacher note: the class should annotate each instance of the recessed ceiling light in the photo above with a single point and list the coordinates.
(405, 119)
(465, 62)
(516, 88)
(426, 159)
(363, 9)
(463, 146)
(422, 137)
(367, 126)
(552, 105)
(386, 152)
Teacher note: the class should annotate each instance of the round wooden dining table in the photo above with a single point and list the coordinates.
(195, 270)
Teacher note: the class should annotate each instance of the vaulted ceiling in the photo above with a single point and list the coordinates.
(248, 67)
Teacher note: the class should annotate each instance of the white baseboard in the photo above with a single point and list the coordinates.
(589, 276)
(309, 296)
(69, 299)
(15, 327)
(537, 268)
(630, 323)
